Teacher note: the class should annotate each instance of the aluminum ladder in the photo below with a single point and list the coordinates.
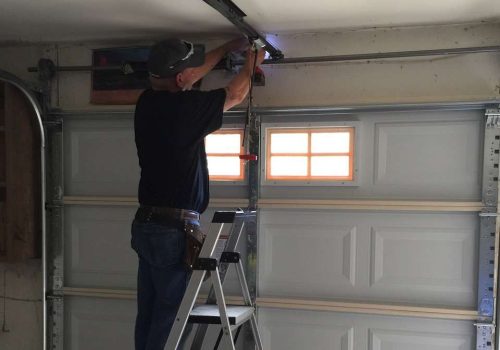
(225, 231)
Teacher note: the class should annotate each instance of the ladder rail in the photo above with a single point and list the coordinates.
(193, 289)
(227, 334)
(233, 223)
(231, 245)
(248, 301)
(243, 283)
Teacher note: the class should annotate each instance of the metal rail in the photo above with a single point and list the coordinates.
(299, 111)
(235, 15)
(127, 68)
(387, 55)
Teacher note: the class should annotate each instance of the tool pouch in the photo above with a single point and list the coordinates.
(194, 241)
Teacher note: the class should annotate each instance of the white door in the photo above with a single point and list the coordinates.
(390, 263)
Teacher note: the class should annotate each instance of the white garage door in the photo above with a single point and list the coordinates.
(390, 263)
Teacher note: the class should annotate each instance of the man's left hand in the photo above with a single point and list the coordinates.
(240, 44)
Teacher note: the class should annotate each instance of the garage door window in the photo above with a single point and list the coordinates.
(312, 154)
(223, 149)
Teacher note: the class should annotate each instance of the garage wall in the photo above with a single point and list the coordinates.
(452, 78)
(366, 272)
(21, 313)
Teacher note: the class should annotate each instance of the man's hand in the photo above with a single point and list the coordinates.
(240, 44)
(238, 88)
(251, 56)
(192, 75)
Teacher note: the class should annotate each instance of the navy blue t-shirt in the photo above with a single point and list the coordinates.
(169, 134)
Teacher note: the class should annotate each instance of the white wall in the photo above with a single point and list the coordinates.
(425, 79)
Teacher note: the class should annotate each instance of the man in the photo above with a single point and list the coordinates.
(171, 123)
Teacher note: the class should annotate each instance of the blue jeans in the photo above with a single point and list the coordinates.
(161, 281)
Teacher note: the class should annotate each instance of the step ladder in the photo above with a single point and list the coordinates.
(224, 234)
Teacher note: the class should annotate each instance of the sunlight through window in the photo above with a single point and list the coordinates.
(323, 154)
(223, 150)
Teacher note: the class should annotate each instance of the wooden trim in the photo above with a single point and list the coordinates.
(310, 155)
(104, 201)
(132, 201)
(391, 205)
(351, 204)
(130, 294)
(369, 308)
(100, 293)
(306, 304)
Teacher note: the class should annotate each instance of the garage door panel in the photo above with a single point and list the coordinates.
(422, 258)
(108, 324)
(99, 324)
(310, 334)
(395, 340)
(100, 158)
(408, 156)
(395, 257)
(294, 249)
(98, 251)
(300, 329)
(427, 155)
(374, 257)
(97, 246)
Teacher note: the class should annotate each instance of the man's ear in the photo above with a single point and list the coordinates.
(180, 80)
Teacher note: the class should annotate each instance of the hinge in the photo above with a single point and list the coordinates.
(493, 111)
(485, 339)
(54, 205)
(53, 122)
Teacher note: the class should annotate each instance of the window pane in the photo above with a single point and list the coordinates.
(289, 143)
(224, 166)
(223, 143)
(330, 142)
(288, 166)
(330, 166)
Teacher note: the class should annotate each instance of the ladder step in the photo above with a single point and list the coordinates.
(209, 314)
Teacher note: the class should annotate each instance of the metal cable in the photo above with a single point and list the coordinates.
(250, 95)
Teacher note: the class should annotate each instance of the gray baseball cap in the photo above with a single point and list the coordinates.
(171, 56)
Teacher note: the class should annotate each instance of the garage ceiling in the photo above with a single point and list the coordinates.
(73, 20)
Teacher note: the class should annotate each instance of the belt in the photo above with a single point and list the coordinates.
(147, 212)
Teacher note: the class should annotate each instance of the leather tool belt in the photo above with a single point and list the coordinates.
(166, 214)
(181, 218)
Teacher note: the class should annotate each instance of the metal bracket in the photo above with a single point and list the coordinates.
(230, 257)
(56, 327)
(54, 205)
(53, 123)
(489, 234)
(488, 214)
(207, 264)
(55, 237)
(485, 336)
(493, 112)
(486, 298)
(235, 15)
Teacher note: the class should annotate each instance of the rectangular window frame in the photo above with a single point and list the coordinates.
(306, 181)
(230, 180)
